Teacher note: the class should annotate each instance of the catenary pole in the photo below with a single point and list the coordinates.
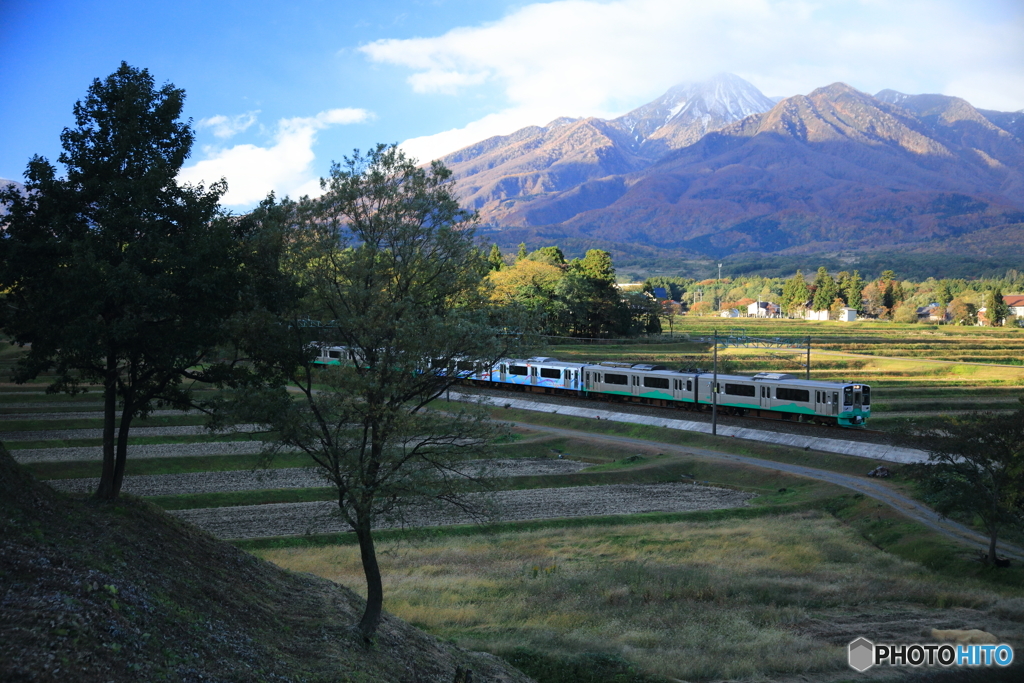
(714, 392)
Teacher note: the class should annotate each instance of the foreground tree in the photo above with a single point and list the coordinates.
(116, 274)
(976, 468)
(389, 258)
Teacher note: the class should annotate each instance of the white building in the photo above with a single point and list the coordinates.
(763, 309)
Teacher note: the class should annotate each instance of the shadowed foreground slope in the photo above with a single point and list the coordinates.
(124, 592)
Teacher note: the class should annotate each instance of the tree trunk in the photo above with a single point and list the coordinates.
(374, 590)
(121, 456)
(106, 490)
(992, 546)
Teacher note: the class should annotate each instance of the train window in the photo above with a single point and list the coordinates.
(551, 373)
(740, 390)
(656, 382)
(503, 368)
(465, 365)
(334, 354)
(847, 396)
(533, 371)
(866, 392)
(689, 385)
(518, 370)
(610, 378)
(785, 394)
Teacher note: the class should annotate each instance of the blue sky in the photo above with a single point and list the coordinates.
(277, 90)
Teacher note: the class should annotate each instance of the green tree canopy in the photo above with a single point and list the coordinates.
(794, 293)
(552, 256)
(119, 275)
(825, 290)
(495, 259)
(853, 292)
(976, 467)
(996, 309)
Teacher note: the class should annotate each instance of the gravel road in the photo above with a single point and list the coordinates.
(288, 478)
(290, 519)
(869, 487)
(163, 450)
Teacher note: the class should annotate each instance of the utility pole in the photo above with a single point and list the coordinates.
(808, 356)
(714, 392)
(718, 288)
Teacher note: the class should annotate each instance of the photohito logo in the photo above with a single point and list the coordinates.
(863, 654)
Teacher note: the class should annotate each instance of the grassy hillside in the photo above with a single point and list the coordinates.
(124, 592)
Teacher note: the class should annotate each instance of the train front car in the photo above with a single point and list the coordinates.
(856, 405)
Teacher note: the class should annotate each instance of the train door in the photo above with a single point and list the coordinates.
(502, 369)
(835, 402)
(766, 396)
(567, 378)
(634, 385)
(819, 402)
(533, 374)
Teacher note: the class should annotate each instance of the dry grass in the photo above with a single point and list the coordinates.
(727, 599)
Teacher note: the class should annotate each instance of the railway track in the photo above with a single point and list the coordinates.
(699, 415)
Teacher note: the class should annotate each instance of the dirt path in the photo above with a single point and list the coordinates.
(873, 488)
(291, 519)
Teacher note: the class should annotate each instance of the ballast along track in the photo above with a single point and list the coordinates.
(791, 426)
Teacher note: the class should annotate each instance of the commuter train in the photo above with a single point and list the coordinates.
(766, 394)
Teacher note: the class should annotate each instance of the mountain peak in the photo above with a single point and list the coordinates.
(687, 111)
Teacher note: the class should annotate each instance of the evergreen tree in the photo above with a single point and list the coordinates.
(854, 291)
(118, 275)
(996, 309)
(522, 253)
(825, 290)
(495, 258)
(794, 293)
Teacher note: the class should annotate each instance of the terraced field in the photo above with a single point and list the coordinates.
(915, 370)
(222, 482)
(648, 593)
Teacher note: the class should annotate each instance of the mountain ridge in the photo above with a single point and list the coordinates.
(834, 169)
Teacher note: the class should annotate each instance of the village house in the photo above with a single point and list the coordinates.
(763, 309)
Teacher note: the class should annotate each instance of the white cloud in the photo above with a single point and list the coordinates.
(227, 126)
(285, 166)
(601, 58)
